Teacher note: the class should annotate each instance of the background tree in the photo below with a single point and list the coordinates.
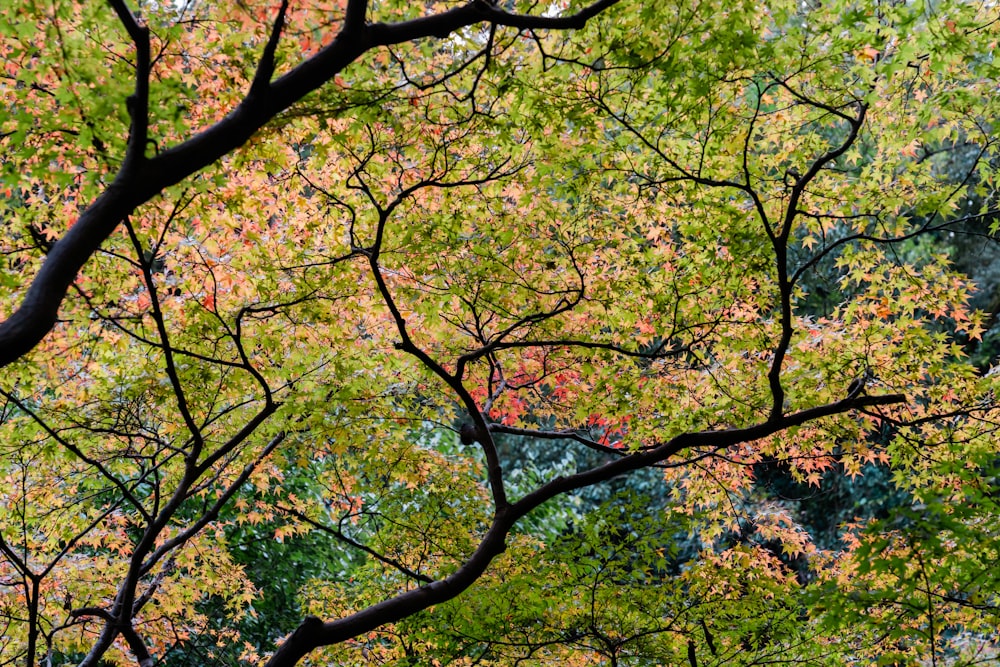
(464, 265)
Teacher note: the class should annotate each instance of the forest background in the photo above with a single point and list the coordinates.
(496, 333)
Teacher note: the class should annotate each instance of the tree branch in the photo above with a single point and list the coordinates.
(265, 68)
(138, 102)
(354, 15)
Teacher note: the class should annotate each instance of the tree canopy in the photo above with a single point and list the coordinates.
(481, 332)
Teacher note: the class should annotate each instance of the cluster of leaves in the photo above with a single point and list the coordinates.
(381, 355)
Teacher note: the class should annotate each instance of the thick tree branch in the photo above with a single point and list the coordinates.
(265, 68)
(354, 15)
(137, 646)
(479, 11)
(138, 102)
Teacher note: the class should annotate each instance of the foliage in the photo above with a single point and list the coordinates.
(490, 333)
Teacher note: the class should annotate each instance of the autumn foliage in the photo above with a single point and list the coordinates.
(321, 315)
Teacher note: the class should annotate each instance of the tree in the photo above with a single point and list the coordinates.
(325, 298)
